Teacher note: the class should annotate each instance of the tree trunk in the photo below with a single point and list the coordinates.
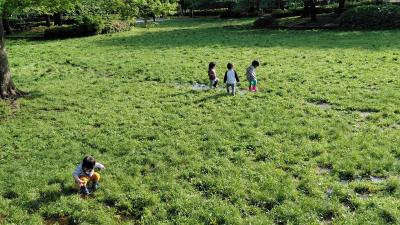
(341, 4)
(7, 87)
(48, 24)
(306, 12)
(191, 12)
(6, 24)
(313, 11)
(58, 19)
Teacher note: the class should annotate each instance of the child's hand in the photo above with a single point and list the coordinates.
(79, 181)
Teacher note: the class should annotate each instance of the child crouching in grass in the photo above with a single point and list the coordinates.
(84, 175)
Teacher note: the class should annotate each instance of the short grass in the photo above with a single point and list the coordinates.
(318, 144)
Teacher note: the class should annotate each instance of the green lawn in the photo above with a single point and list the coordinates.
(318, 144)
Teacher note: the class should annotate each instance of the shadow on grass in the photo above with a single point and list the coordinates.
(33, 95)
(228, 38)
(212, 97)
(48, 196)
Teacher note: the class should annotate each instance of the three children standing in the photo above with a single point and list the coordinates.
(231, 77)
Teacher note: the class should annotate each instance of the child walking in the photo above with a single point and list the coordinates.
(231, 78)
(84, 175)
(212, 75)
(251, 75)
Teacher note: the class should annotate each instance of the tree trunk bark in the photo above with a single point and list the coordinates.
(341, 4)
(313, 11)
(306, 12)
(58, 19)
(7, 87)
(6, 24)
(7, 27)
(48, 24)
(191, 12)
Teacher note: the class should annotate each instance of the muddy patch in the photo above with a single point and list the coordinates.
(2, 218)
(63, 220)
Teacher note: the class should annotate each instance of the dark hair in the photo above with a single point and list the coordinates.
(229, 66)
(211, 65)
(255, 63)
(88, 162)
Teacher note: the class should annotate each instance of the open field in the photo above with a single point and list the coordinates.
(318, 144)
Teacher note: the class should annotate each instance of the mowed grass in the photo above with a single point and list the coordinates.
(318, 144)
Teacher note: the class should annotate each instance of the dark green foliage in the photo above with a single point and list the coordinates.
(87, 26)
(91, 24)
(232, 14)
(372, 16)
(264, 22)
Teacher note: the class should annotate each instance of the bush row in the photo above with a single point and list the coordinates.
(277, 13)
(87, 26)
(372, 16)
(364, 16)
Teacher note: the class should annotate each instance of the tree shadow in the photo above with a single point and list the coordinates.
(32, 95)
(230, 38)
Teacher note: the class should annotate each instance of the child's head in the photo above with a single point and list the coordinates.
(229, 66)
(88, 163)
(255, 63)
(211, 66)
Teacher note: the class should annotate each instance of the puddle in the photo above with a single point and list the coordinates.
(205, 87)
(324, 170)
(200, 87)
(323, 105)
(329, 192)
(372, 179)
(363, 196)
(376, 179)
(365, 114)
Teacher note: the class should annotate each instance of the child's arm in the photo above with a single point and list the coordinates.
(76, 173)
(99, 166)
(237, 77)
(225, 77)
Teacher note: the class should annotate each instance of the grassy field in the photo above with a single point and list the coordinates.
(318, 144)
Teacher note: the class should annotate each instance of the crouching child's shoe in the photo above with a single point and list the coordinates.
(84, 191)
(95, 186)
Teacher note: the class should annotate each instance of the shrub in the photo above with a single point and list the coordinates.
(117, 26)
(372, 16)
(266, 21)
(63, 32)
(91, 25)
(231, 14)
(87, 26)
